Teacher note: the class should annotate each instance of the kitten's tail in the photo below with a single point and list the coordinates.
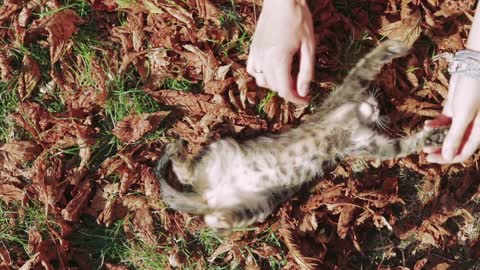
(367, 68)
(188, 202)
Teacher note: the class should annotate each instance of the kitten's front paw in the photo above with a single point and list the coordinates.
(436, 136)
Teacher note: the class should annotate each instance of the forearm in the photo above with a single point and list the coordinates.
(473, 42)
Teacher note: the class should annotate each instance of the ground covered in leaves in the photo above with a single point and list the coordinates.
(91, 91)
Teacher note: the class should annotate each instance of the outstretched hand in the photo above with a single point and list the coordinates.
(462, 110)
(284, 28)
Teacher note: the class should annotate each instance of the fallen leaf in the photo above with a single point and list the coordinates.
(8, 8)
(5, 68)
(72, 211)
(134, 127)
(345, 220)
(29, 77)
(10, 193)
(16, 153)
(407, 30)
(104, 5)
(61, 26)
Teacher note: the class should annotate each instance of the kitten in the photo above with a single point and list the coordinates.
(237, 184)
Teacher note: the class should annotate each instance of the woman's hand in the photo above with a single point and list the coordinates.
(284, 28)
(462, 109)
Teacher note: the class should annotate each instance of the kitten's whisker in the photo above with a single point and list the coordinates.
(375, 93)
(382, 124)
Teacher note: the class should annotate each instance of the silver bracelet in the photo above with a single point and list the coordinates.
(466, 62)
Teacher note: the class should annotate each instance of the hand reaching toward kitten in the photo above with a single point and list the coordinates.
(462, 110)
(284, 28)
(462, 107)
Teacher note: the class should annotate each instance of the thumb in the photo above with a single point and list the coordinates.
(305, 73)
(460, 122)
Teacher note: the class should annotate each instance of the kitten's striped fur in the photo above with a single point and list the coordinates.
(237, 184)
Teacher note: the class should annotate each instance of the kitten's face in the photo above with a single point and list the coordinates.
(368, 110)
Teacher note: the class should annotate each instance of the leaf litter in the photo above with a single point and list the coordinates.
(81, 154)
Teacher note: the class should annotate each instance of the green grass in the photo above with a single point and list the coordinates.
(261, 105)
(17, 220)
(148, 257)
(8, 104)
(180, 84)
(240, 42)
(81, 7)
(271, 238)
(103, 244)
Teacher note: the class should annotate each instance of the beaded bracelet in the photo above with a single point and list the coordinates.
(465, 62)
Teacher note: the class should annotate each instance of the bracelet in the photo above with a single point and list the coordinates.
(466, 62)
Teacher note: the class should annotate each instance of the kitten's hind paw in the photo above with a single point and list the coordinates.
(435, 137)
(218, 220)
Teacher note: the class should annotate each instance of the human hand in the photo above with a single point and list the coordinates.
(462, 109)
(284, 28)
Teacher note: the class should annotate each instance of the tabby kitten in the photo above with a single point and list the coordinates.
(236, 184)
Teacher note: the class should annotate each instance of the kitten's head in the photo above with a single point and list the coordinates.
(368, 110)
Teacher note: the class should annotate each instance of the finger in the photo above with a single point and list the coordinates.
(472, 141)
(251, 64)
(282, 80)
(261, 80)
(437, 158)
(460, 122)
(448, 107)
(432, 149)
(305, 73)
(440, 121)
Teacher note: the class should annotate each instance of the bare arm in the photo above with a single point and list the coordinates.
(463, 107)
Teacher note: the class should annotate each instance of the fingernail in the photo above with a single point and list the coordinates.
(304, 89)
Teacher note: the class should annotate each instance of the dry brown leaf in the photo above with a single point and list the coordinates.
(5, 259)
(345, 220)
(151, 184)
(34, 241)
(8, 8)
(26, 13)
(10, 193)
(217, 86)
(134, 127)
(309, 223)
(14, 154)
(72, 210)
(113, 211)
(29, 77)
(454, 8)
(190, 102)
(5, 67)
(303, 262)
(61, 26)
(142, 218)
(180, 14)
(104, 5)
(407, 30)
(207, 10)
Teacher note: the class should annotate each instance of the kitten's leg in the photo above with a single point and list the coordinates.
(384, 148)
(364, 71)
(182, 165)
(249, 212)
